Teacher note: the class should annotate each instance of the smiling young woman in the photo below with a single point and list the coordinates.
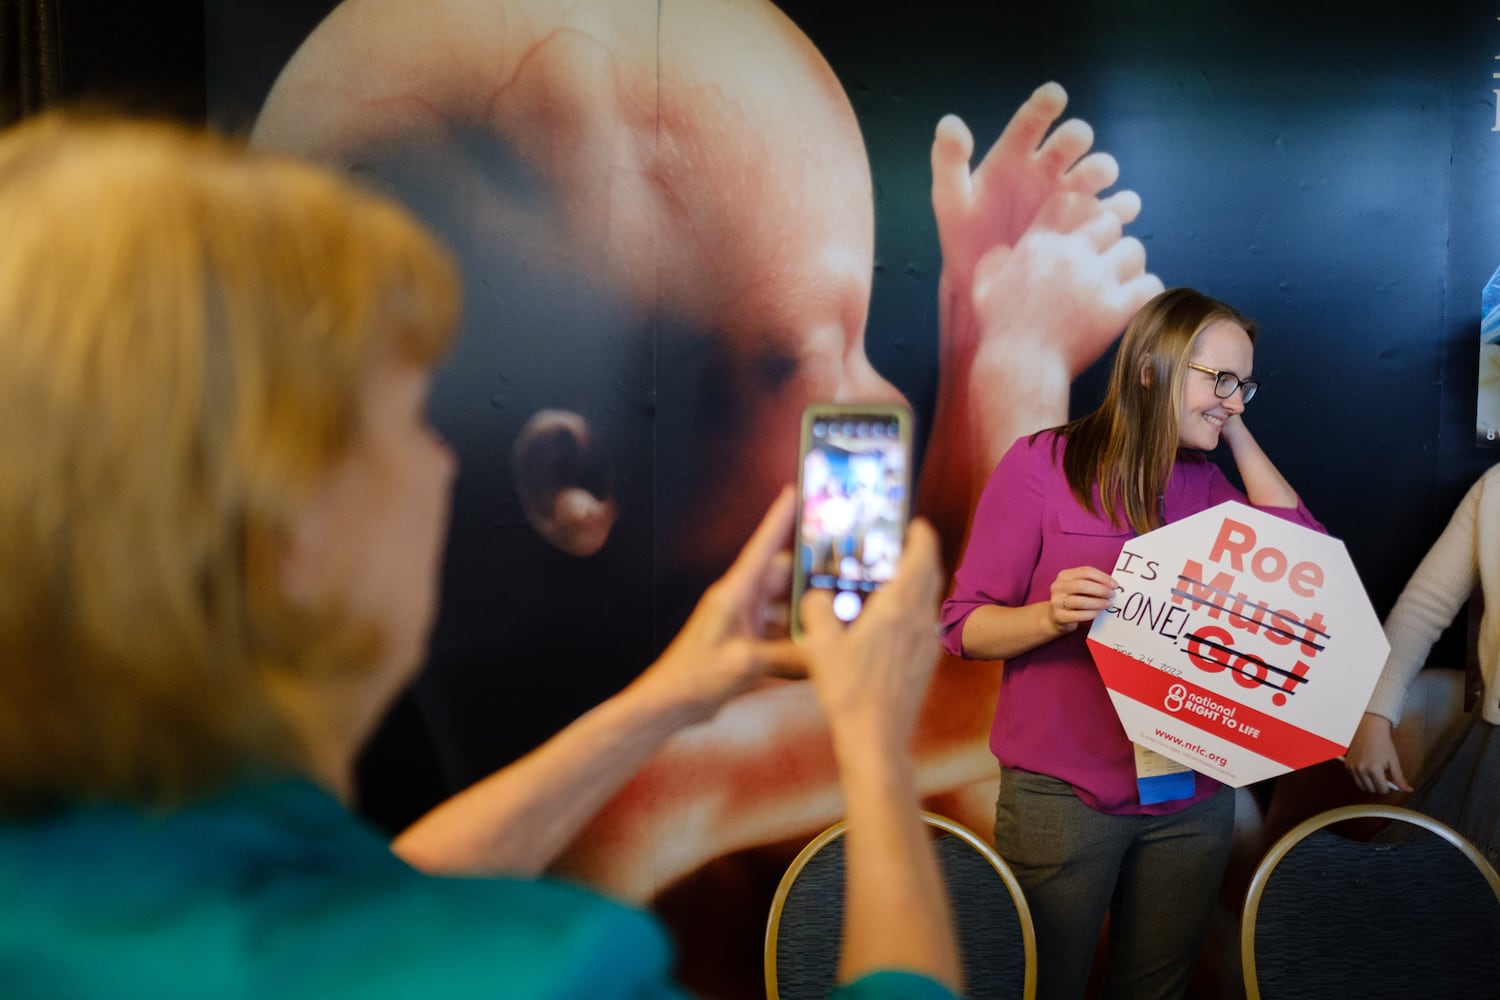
(1071, 818)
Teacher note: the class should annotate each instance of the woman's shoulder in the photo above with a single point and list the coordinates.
(1039, 447)
(1483, 496)
(1030, 456)
(1489, 480)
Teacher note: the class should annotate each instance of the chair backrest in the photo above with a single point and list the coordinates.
(996, 939)
(1413, 914)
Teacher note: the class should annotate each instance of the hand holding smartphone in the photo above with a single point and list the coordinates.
(853, 502)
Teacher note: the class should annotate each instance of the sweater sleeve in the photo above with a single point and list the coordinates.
(1440, 586)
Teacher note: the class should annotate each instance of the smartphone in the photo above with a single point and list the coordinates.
(853, 502)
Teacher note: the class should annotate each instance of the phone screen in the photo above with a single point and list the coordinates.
(853, 492)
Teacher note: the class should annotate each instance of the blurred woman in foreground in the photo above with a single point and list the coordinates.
(221, 515)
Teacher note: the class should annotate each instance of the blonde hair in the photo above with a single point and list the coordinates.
(1127, 446)
(185, 326)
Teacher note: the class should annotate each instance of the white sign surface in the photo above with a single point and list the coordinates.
(1242, 645)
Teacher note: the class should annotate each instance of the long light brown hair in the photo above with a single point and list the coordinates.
(185, 327)
(1118, 458)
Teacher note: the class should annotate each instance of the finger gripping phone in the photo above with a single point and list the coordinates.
(853, 502)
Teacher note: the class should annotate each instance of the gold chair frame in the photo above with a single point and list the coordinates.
(940, 825)
(1301, 831)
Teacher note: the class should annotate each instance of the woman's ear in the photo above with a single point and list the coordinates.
(1146, 372)
(563, 482)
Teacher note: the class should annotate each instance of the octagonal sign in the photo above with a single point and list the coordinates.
(1241, 644)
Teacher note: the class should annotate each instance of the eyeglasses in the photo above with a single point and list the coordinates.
(1226, 382)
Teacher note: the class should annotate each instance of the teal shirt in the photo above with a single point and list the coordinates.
(275, 889)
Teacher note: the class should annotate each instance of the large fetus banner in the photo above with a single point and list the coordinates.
(1241, 645)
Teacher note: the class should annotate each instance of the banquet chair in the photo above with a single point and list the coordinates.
(1415, 913)
(996, 941)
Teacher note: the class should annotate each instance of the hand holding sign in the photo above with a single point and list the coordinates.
(1241, 644)
(1079, 595)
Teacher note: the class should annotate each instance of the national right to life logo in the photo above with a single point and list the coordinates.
(1176, 696)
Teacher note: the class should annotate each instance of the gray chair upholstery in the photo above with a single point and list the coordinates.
(995, 936)
(1413, 913)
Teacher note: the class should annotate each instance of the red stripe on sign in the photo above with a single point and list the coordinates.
(1274, 738)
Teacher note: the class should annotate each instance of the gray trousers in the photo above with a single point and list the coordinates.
(1156, 876)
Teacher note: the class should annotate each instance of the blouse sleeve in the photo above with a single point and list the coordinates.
(1004, 541)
